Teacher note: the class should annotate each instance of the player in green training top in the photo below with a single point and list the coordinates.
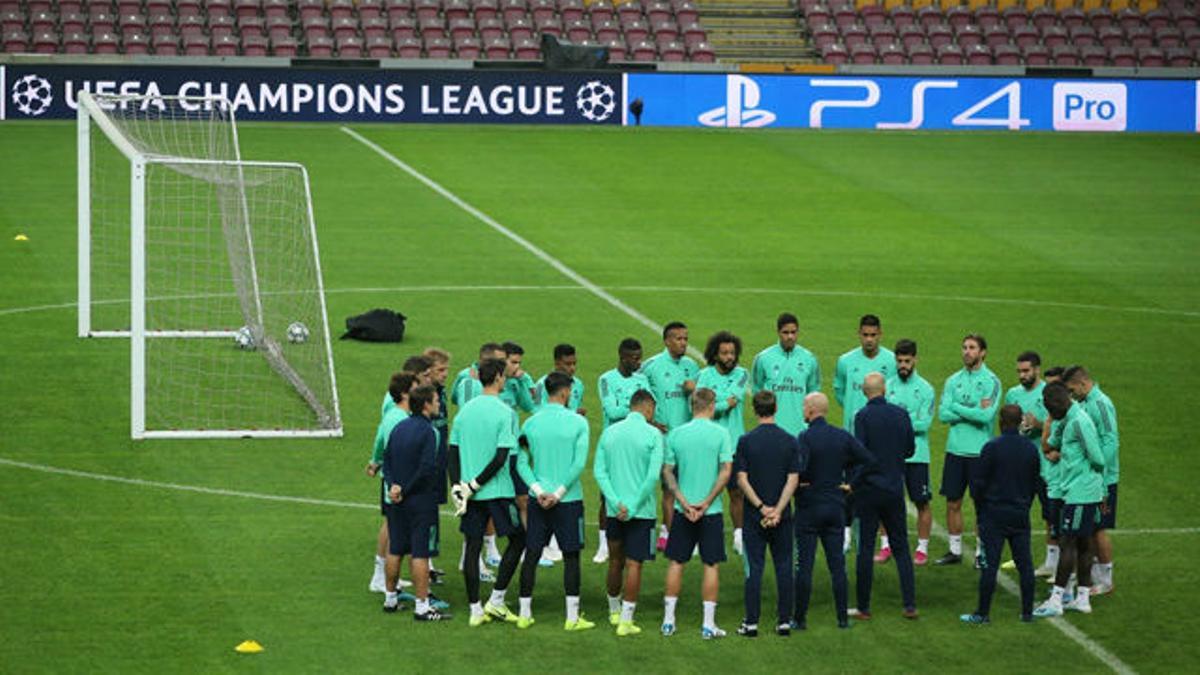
(970, 401)
(627, 467)
(912, 392)
(1075, 446)
(566, 361)
(616, 388)
(482, 438)
(672, 376)
(1103, 414)
(854, 365)
(728, 381)
(701, 451)
(421, 367)
(466, 382)
(789, 371)
(1027, 395)
(518, 385)
(398, 387)
(555, 442)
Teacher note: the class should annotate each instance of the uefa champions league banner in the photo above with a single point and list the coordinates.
(959, 103)
(328, 95)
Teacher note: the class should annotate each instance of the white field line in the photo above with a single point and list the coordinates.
(659, 289)
(1066, 628)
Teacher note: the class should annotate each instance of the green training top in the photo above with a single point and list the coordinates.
(615, 392)
(970, 425)
(666, 376)
(558, 451)
(1030, 401)
(390, 419)
(1100, 408)
(697, 450)
(790, 376)
(573, 404)
(916, 396)
(1081, 466)
(852, 368)
(732, 384)
(518, 392)
(468, 373)
(628, 463)
(482, 425)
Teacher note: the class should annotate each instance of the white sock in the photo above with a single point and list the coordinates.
(1057, 592)
(476, 609)
(1081, 593)
(380, 561)
(737, 534)
(846, 534)
(392, 597)
(662, 530)
(483, 566)
(497, 597)
(883, 542)
(422, 605)
(526, 607)
(572, 608)
(669, 608)
(489, 540)
(979, 548)
(956, 544)
(614, 604)
(710, 614)
(462, 557)
(923, 546)
(1051, 556)
(603, 539)
(627, 611)
(1106, 573)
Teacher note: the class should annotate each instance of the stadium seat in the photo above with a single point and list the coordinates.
(163, 45)
(1179, 57)
(252, 25)
(863, 53)
(520, 28)
(1093, 55)
(629, 10)
(1084, 36)
(377, 26)
(1015, 16)
(103, 23)
(438, 47)
(344, 27)
(617, 49)
(644, 51)
(1139, 37)
(511, 9)
(245, 8)
(1168, 37)
(817, 15)
(892, 54)
(853, 34)
(835, 54)
(15, 42)
(135, 43)
(601, 10)
(1191, 37)
(902, 15)
(1072, 17)
(950, 55)
(1151, 57)
(883, 34)
(687, 13)
(551, 26)
(195, 44)
(408, 48)
(182, 8)
(284, 45)
(665, 31)
(939, 35)
(1035, 55)
(490, 29)
(657, 11)
(431, 26)
(1065, 55)
(220, 25)
(160, 24)
(219, 7)
(1006, 55)
(1054, 36)
(45, 42)
(468, 48)
(570, 10)
(702, 53)
(1100, 18)
(930, 16)
(44, 21)
(123, 6)
(350, 47)
(427, 8)
(920, 54)
(105, 43)
(959, 16)
(225, 45)
(978, 55)
(673, 51)
(609, 30)
(1043, 17)
(1185, 22)
(339, 9)
(968, 36)
(844, 15)
(497, 49)
(307, 9)
(402, 27)
(320, 47)
(461, 27)
(1122, 56)
(192, 24)
(272, 8)
(822, 35)
(996, 34)
(1025, 35)
(77, 23)
(77, 43)
(12, 22)
(379, 47)
(578, 31)
(255, 45)
(1129, 18)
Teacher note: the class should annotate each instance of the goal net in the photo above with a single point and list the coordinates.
(209, 265)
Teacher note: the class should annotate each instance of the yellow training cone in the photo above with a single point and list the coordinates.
(20, 237)
(248, 647)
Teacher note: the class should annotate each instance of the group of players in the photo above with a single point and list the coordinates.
(673, 426)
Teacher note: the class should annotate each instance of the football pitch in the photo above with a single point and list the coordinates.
(162, 555)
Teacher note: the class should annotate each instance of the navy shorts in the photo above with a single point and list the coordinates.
(1054, 506)
(1108, 520)
(502, 512)
(520, 487)
(957, 473)
(412, 531)
(1079, 520)
(1043, 498)
(636, 536)
(383, 505)
(916, 479)
(564, 521)
(708, 533)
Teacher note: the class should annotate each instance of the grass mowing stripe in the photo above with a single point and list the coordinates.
(1075, 634)
(516, 238)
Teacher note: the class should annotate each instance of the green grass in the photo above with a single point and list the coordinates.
(1080, 246)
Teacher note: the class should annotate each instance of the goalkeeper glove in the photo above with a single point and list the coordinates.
(460, 494)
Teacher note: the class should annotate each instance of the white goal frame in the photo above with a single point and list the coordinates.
(90, 112)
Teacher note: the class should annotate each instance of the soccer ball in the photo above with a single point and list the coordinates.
(244, 339)
(596, 101)
(297, 333)
(32, 95)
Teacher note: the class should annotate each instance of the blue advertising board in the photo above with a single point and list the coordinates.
(962, 103)
(334, 95)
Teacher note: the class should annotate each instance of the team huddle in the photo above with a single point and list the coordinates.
(675, 430)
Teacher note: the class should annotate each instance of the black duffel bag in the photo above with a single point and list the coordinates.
(377, 325)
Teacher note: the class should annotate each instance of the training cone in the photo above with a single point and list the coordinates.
(248, 647)
(20, 237)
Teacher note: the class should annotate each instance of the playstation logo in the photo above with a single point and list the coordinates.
(742, 97)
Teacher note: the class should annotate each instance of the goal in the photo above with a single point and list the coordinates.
(209, 265)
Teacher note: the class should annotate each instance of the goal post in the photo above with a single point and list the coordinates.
(209, 265)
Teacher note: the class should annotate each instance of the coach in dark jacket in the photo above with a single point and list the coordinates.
(1004, 487)
(886, 432)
